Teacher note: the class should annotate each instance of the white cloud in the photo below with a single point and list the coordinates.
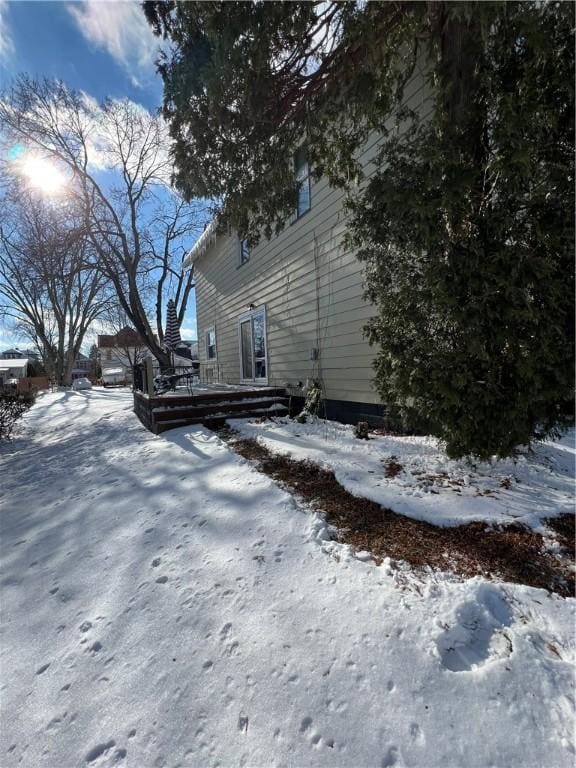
(188, 332)
(121, 29)
(125, 132)
(121, 135)
(6, 43)
(9, 337)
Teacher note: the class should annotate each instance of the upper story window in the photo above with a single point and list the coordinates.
(243, 252)
(211, 343)
(302, 175)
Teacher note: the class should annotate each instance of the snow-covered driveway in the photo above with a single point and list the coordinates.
(163, 604)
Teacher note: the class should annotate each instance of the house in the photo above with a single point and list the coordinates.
(19, 354)
(121, 350)
(83, 367)
(291, 310)
(187, 349)
(11, 371)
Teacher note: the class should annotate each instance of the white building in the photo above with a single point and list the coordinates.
(12, 370)
(122, 350)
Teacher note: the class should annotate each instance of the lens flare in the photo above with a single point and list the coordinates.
(43, 175)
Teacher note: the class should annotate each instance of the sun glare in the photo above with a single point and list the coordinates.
(43, 175)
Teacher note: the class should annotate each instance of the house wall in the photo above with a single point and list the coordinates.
(116, 357)
(11, 370)
(312, 288)
(14, 369)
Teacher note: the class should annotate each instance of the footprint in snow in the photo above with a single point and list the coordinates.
(103, 750)
(416, 734)
(243, 723)
(390, 758)
(230, 649)
(305, 724)
(225, 631)
(96, 647)
(478, 634)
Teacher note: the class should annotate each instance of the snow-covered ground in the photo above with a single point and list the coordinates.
(430, 486)
(163, 604)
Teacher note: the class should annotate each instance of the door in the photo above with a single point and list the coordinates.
(253, 351)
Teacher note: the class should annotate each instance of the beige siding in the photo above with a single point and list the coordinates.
(312, 288)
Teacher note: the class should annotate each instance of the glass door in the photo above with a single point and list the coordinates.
(253, 351)
(246, 351)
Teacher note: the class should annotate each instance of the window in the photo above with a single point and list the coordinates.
(244, 252)
(302, 175)
(211, 344)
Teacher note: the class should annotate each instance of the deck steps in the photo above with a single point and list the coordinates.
(159, 414)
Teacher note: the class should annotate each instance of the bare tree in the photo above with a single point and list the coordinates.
(117, 155)
(164, 240)
(50, 286)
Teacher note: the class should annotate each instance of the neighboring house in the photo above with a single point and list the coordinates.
(187, 349)
(292, 309)
(83, 367)
(19, 354)
(121, 350)
(12, 370)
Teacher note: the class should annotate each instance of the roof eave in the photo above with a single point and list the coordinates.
(202, 244)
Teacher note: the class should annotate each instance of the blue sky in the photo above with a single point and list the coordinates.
(103, 48)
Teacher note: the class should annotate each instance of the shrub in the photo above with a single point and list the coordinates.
(12, 407)
(361, 430)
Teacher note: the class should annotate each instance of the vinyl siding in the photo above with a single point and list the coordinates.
(312, 288)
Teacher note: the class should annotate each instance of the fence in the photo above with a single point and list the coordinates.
(32, 384)
(151, 378)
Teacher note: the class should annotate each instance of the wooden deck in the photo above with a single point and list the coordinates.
(209, 405)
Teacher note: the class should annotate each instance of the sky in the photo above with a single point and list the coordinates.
(103, 47)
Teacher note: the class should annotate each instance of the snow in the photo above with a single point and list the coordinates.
(249, 401)
(164, 604)
(430, 486)
(13, 364)
(212, 389)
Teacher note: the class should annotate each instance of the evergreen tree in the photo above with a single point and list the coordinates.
(94, 356)
(466, 227)
(467, 234)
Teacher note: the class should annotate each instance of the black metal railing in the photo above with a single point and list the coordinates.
(176, 377)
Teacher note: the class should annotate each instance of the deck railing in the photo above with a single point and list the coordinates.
(152, 379)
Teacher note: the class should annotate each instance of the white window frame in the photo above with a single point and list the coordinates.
(210, 329)
(242, 319)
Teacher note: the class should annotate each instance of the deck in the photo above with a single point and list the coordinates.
(208, 404)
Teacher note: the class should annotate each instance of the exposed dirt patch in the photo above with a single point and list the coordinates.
(513, 553)
(392, 468)
(564, 527)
